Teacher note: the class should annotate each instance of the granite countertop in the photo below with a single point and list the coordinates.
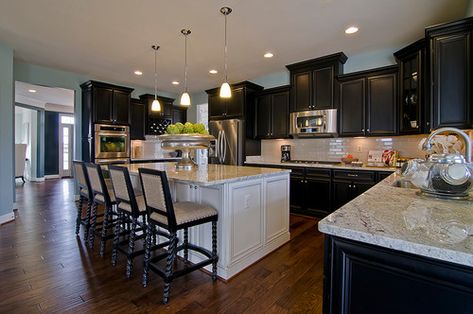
(404, 221)
(209, 174)
(157, 159)
(321, 165)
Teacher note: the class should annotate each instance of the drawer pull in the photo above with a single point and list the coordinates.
(352, 175)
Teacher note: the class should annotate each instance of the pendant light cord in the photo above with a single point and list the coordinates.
(225, 52)
(185, 62)
(155, 75)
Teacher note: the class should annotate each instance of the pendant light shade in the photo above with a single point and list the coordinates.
(225, 90)
(155, 106)
(185, 98)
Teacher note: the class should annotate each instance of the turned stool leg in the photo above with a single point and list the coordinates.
(147, 256)
(116, 240)
(214, 250)
(169, 267)
(186, 243)
(79, 213)
(131, 248)
(87, 221)
(106, 219)
(93, 225)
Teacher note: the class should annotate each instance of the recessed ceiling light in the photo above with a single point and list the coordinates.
(268, 55)
(138, 72)
(175, 83)
(213, 71)
(351, 30)
(32, 90)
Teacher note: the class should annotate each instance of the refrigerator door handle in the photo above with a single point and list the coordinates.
(224, 146)
(217, 145)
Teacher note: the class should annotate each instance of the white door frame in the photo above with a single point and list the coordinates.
(65, 172)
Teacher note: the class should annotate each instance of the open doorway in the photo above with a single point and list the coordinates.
(44, 125)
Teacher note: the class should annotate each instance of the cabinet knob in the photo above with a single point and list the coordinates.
(349, 185)
(367, 130)
(362, 130)
(302, 181)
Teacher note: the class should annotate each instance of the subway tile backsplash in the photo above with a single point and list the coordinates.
(332, 149)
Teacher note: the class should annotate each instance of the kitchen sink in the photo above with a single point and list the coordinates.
(406, 184)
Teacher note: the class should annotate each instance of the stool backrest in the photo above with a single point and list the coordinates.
(157, 196)
(123, 188)
(81, 177)
(97, 182)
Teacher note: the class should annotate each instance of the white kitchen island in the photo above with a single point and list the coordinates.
(252, 204)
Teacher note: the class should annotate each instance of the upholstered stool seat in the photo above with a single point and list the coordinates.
(165, 214)
(140, 202)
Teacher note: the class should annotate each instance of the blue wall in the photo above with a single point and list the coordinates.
(6, 130)
(51, 146)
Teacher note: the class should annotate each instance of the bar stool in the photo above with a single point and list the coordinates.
(85, 194)
(173, 217)
(103, 195)
(129, 208)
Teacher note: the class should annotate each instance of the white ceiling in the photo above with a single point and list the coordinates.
(49, 98)
(109, 39)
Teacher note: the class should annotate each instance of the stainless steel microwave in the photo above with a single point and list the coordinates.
(313, 123)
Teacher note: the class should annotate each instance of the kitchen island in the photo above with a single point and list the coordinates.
(252, 204)
(393, 251)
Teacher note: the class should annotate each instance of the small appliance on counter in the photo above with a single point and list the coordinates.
(285, 153)
(444, 175)
(382, 158)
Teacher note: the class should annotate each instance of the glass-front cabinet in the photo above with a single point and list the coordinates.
(411, 88)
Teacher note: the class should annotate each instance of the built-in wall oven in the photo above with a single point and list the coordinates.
(112, 143)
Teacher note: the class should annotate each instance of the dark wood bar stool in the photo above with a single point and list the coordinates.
(85, 195)
(130, 208)
(103, 195)
(163, 213)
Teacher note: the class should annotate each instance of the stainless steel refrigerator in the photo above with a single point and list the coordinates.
(230, 141)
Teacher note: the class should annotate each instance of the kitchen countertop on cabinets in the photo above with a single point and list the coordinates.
(169, 159)
(399, 219)
(321, 165)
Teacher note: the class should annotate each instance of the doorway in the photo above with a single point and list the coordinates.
(66, 145)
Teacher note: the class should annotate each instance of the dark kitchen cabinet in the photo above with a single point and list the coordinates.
(450, 65)
(179, 114)
(364, 278)
(138, 114)
(157, 121)
(347, 185)
(272, 113)
(105, 103)
(368, 102)
(313, 84)
(412, 111)
(239, 106)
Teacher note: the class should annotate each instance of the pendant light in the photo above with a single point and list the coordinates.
(155, 106)
(185, 98)
(225, 91)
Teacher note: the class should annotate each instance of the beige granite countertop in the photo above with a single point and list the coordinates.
(330, 166)
(399, 219)
(210, 174)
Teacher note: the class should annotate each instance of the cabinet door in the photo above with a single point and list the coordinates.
(137, 126)
(318, 197)
(179, 115)
(280, 115)
(297, 193)
(102, 104)
(263, 116)
(382, 105)
(236, 104)
(217, 106)
(352, 108)
(451, 71)
(342, 193)
(121, 107)
(168, 109)
(411, 93)
(359, 188)
(323, 88)
(302, 91)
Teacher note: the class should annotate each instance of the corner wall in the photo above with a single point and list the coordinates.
(6, 134)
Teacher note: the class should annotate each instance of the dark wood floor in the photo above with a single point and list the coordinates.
(44, 267)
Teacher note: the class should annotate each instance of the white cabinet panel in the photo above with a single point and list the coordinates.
(276, 204)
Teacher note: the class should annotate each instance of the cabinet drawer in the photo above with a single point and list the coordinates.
(297, 171)
(354, 175)
(317, 173)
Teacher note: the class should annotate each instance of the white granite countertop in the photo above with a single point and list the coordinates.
(399, 219)
(210, 174)
(157, 159)
(322, 165)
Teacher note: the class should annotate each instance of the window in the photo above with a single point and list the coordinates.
(67, 120)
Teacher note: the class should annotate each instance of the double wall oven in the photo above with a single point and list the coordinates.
(112, 143)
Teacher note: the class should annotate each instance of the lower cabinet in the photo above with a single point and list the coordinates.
(348, 184)
(364, 278)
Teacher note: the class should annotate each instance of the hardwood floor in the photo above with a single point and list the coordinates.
(44, 267)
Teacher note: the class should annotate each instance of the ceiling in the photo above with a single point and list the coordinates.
(49, 98)
(110, 39)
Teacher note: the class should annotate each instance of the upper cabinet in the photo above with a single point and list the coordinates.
(413, 114)
(138, 114)
(313, 84)
(179, 114)
(272, 113)
(157, 121)
(368, 102)
(239, 106)
(104, 103)
(450, 65)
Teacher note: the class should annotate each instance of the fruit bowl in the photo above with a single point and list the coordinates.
(348, 161)
(185, 143)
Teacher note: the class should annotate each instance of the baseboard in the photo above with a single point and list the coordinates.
(7, 218)
(52, 176)
(36, 179)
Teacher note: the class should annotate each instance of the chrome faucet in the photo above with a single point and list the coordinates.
(427, 146)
